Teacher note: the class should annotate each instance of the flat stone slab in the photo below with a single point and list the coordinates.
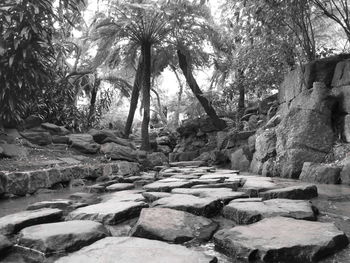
(62, 237)
(292, 192)
(189, 203)
(110, 212)
(187, 164)
(153, 196)
(57, 203)
(253, 185)
(119, 187)
(251, 212)
(135, 250)
(218, 175)
(124, 196)
(221, 194)
(185, 176)
(163, 186)
(207, 181)
(13, 223)
(281, 239)
(173, 226)
(5, 244)
(232, 185)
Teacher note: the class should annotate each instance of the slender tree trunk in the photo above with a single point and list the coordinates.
(160, 108)
(134, 98)
(146, 87)
(93, 100)
(241, 99)
(192, 83)
(179, 98)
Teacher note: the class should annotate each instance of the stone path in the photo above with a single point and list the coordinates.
(247, 217)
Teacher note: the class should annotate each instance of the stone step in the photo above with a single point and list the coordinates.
(135, 250)
(13, 223)
(110, 212)
(251, 212)
(292, 192)
(189, 203)
(173, 226)
(281, 239)
(61, 237)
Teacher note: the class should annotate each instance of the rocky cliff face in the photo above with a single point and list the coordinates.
(314, 103)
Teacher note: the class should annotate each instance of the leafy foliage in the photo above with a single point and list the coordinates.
(28, 56)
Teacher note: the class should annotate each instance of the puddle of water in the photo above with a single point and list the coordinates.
(14, 205)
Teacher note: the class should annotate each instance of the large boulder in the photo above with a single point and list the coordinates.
(281, 239)
(156, 159)
(239, 160)
(13, 151)
(172, 226)
(135, 250)
(55, 129)
(83, 143)
(37, 137)
(265, 145)
(61, 237)
(320, 173)
(305, 134)
(106, 136)
(119, 152)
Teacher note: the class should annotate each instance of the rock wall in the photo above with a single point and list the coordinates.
(28, 182)
(314, 107)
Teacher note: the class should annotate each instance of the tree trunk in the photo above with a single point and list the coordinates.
(179, 98)
(146, 87)
(241, 99)
(134, 98)
(93, 100)
(192, 83)
(160, 111)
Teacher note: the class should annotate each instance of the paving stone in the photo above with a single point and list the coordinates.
(292, 192)
(58, 203)
(110, 212)
(199, 206)
(253, 185)
(13, 223)
(119, 187)
(185, 176)
(61, 237)
(162, 186)
(124, 196)
(281, 239)
(153, 196)
(207, 181)
(221, 194)
(135, 250)
(251, 212)
(234, 186)
(173, 226)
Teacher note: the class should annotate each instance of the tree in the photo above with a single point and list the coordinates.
(28, 54)
(336, 10)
